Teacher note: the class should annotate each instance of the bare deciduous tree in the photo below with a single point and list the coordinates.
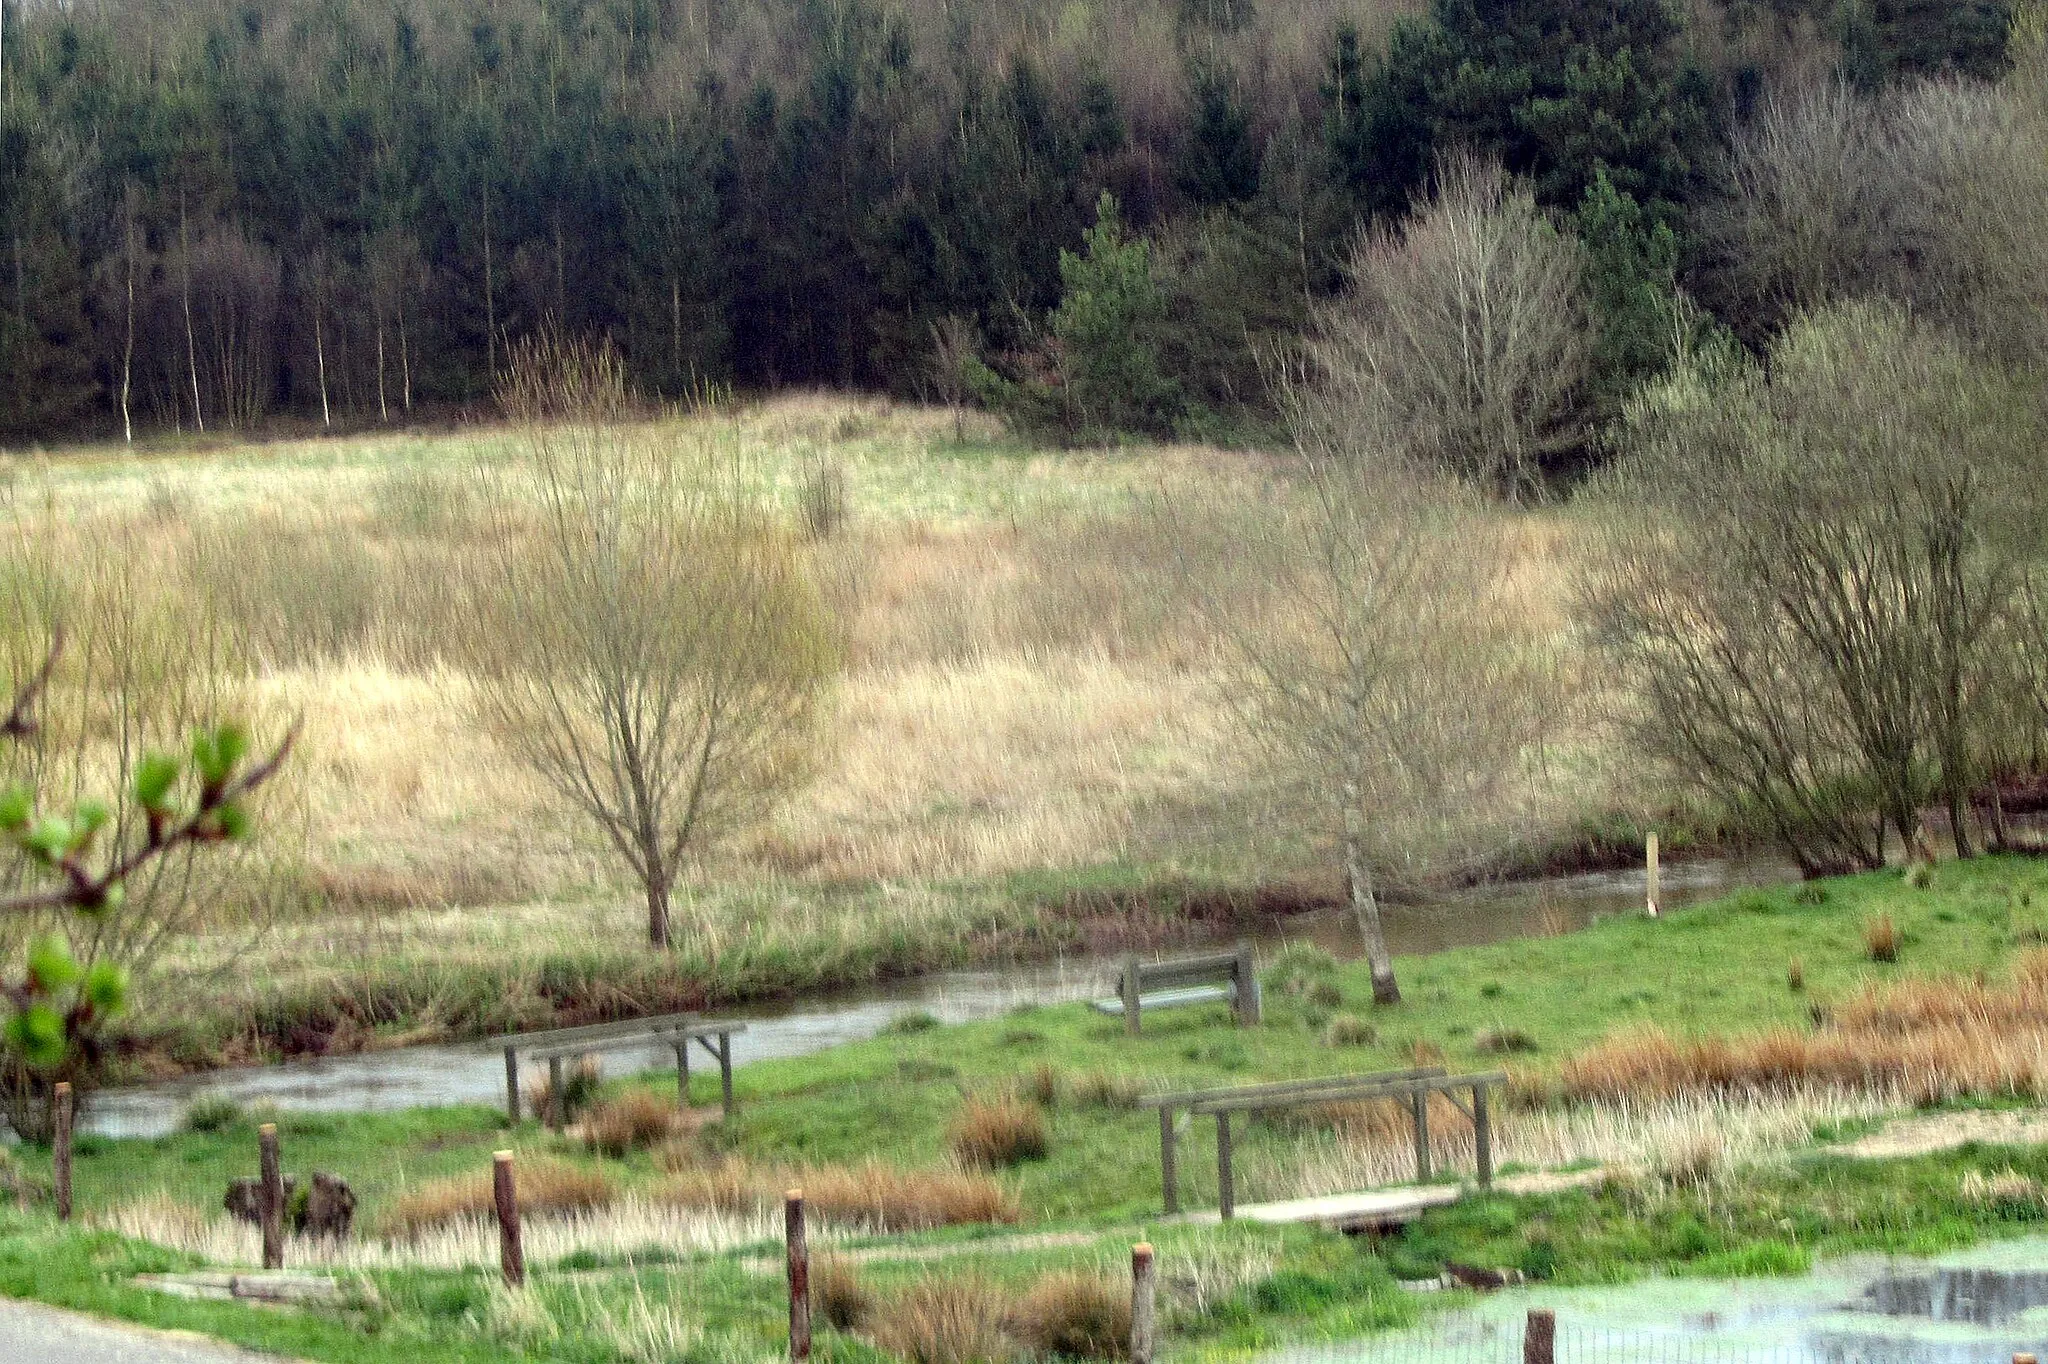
(648, 642)
(1815, 573)
(1382, 666)
(1462, 338)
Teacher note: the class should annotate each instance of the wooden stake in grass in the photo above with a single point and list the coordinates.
(1539, 1338)
(505, 1197)
(1650, 868)
(799, 1276)
(1144, 1303)
(272, 1174)
(60, 1150)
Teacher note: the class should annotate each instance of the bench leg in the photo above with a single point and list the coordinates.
(1169, 1174)
(1482, 1136)
(682, 1050)
(557, 1110)
(1420, 1102)
(1130, 994)
(1247, 987)
(725, 1070)
(1225, 1186)
(512, 1085)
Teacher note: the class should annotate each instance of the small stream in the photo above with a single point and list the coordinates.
(424, 1076)
(1979, 1306)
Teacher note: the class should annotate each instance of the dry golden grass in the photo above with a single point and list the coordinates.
(1024, 690)
(1924, 1040)
(1881, 939)
(872, 1194)
(840, 1297)
(545, 1187)
(997, 1133)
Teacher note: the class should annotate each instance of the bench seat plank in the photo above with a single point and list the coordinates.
(1166, 999)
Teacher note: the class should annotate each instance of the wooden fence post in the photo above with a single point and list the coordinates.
(558, 1106)
(1144, 1303)
(1129, 985)
(1650, 870)
(1169, 1168)
(505, 1197)
(1226, 1184)
(60, 1148)
(272, 1200)
(683, 1074)
(799, 1277)
(512, 1085)
(1247, 986)
(1539, 1338)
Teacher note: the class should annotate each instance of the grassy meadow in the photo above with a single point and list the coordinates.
(665, 1246)
(1031, 747)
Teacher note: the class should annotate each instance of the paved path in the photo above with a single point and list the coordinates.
(33, 1334)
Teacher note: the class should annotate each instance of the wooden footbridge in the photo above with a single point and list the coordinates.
(1354, 1211)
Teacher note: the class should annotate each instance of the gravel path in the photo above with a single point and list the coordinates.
(45, 1335)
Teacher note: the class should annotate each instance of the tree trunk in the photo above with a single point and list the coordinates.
(404, 360)
(191, 343)
(128, 342)
(1366, 905)
(657, 913)
(320, 356)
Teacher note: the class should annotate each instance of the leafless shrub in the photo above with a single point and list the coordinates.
(1462, 337)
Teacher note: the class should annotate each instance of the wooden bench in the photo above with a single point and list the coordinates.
(1219, 978)
(1413, 1085)
(561, 1044)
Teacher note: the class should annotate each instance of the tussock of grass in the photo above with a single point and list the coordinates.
(954, 1319)
(871, 1194)
(1074, 1315)
(632, 1122)
(996, 1134)
(1881, 938)
(839, 1295)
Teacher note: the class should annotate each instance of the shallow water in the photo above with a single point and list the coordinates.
(1979, 1306)
(413, 1077)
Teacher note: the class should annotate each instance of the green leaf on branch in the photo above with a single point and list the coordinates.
(217, 753)
(155, 776)
(37, 1033)
(50, 839)
(106, 988)
(232, 821)
(88, 817)
(17, 807)
(50, 964)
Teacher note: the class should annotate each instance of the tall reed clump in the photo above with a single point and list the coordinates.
(998, 1133)
(1923, 1040)
(1881, 938)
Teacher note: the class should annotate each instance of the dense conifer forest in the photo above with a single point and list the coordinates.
(226, 213)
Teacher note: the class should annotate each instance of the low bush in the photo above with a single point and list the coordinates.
(1043, 1085)
(545, 1186)
(632, 1122)
(1076, 1316)
(948, 1320)
(1298, 968)
(1795, 975)
(997, 1134)
(910, 1024)
(1881, 938)
(1498, 1041)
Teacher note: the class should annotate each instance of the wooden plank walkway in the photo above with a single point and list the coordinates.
(1343, 1212)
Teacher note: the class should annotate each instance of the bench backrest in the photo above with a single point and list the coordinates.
(1260, 1097)
(1286, 1088)
(1160, 975)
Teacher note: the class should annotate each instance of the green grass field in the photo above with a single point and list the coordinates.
(1768, 1207)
